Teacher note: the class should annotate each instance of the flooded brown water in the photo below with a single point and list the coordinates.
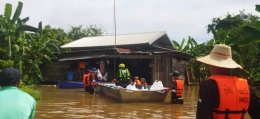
(77, 104)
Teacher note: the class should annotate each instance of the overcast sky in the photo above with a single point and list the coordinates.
(179, 18)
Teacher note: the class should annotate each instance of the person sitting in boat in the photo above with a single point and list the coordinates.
(102, 73)
(114, 80)
(124, 76)
(100, 77)
(137, 82)
(176, 88)
(89, 81)
(97, 78)
(144, 83)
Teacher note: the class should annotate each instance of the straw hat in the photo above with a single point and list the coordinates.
(220, 56)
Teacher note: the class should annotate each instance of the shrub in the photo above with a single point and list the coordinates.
(31, 91)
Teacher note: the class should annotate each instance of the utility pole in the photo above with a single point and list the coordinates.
(115, 39)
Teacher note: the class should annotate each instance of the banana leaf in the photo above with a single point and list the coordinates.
(29, 28)
(257, 8)
(251, 30)
(253, 36)
(8, 11)
(175, 44)
(17, 12)
(25, 20)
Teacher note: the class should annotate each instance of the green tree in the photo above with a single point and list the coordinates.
(57, 35)
(253, 31)
(241, 32)
(77, 32)
(238, 31)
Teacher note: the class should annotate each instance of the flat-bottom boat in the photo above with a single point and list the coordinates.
(124, 95)
(70, 84)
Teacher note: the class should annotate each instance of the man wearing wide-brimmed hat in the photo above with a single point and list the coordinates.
(224, 96)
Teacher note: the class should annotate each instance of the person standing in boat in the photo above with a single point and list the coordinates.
(124, 76)
(89, 81)
(176, 88)
(223, 95)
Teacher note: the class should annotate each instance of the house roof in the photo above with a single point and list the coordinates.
(134, 45)
(150, 38)
(120, 52)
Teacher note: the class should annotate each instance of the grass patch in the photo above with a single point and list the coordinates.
(31, 91)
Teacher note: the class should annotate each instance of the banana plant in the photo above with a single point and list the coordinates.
(257, 8)
(21, 49)
(39, 51)
(196, 50)
(253, 31)
(253, 40)
(193, 48)
(13, 26)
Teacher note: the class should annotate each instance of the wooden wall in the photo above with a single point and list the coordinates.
(163, 65)
(55, 71)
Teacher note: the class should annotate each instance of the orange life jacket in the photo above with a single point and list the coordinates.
(137, 82)
(180, 86)
(88, 78)
(234, 97)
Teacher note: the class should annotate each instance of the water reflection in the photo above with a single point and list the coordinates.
(76, 104)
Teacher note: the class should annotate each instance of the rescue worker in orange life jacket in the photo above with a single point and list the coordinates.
(224, 96)
(176, 88)
(89, 80)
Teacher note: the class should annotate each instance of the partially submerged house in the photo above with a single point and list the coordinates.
(149, 55)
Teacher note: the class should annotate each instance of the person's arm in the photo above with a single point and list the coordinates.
(208, 99)
(129, 74)
(254, 106)
(174, 85)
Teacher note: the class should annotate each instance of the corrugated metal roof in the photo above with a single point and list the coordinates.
(81, 57)
(121, 39)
